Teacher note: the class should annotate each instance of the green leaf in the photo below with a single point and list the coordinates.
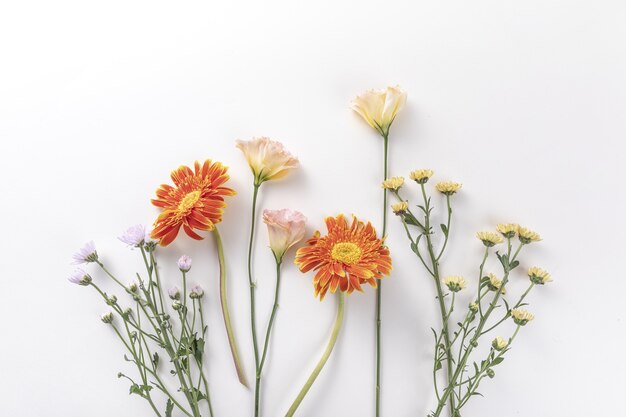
(444, 229)
(437, 365)
(513, 265)
(155, 360)
(169, 407)
(136, 389)
(497, 361)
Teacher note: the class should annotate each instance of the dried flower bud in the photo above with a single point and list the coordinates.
(196, 292)
(499, 343)
(454, 283)
(107, 317)
(184, 263)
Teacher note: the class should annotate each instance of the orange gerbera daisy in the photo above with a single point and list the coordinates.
(195, 202)
(346, 258)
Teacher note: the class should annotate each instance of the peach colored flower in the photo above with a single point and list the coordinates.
(268, 159)
(380, 107)
(285, 228)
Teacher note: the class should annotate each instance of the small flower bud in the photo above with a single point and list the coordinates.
(474, 343)
(132, 287)
(176, 305)
(174, 293)
(490, 373)
(107, 318)
(184, 263)
(473, 307)
(499, 343)
(196, 292)
(112, 300)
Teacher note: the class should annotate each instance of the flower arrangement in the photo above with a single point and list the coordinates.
(163, 329)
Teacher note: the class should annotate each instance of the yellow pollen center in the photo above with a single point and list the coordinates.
(346, 252)
(188, 202)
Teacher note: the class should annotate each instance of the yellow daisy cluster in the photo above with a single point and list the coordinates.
(521, 316)
(448, 187)
(489, 239)
(400, 208)
(455, 283)
(393, 183)
(421, 176)
(538, 275)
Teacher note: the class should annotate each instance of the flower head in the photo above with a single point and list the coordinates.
(508, 230)
(521, 316)
(285, 228)
(107, 317)
(489, 239)
(400, 208)
(132, 287)
(527, 236)
(80, 277)
(473, 307)
(268, 159)
(195, 202)
(495, 283)
(196, 292)
(184, 263)
(380, 107)
(499, 343)
(538, 276)
(455, 284)
(421, 176)
(174, 293)
(393, 183)
(86, 254)
(349, 256)
(135, 236)
(448, 187)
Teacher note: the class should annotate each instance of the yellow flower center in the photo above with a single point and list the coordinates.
(346, 252)
(188, 202)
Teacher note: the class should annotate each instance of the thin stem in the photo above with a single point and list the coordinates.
(445, 242)
(323, 359)
(224, 303)
(255, 343)
(267, 340)
(379, 287)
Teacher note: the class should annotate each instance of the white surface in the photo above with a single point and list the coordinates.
(523, 102)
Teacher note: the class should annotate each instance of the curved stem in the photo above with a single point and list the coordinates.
(379, 287)
(224, 303)
(323, 359)
(266, 343)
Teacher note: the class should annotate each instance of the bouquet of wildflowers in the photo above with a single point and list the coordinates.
(161, 324)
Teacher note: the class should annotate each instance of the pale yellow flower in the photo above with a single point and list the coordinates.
(508, 229)
(400, 208)
(499, 343)
(489, 239)
(448, 187)
(538, 275)
(473, 307)
(268, 159)
(421, 176)
(526, 235)
(495, 283)
(521, 316)
(393, 183)
(455, 283)
(380, 107)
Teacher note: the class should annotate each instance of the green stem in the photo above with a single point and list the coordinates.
(224, 303)
(255, 343)
(266, 343)
(323, 359)
(379, 287)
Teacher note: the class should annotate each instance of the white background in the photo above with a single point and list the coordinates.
(521, 101)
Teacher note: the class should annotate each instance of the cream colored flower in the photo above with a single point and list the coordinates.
(400, 208)
(393, 183)
(455, 283)
(448, 187)
(521, 316)
(380, 107)
(499, 343)
(489, 239)
(421, 176)
(473, 307)
(285, 228)
(268, 159)
(538, 275)
(526, 235)
(508, 229)
(495, 283)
